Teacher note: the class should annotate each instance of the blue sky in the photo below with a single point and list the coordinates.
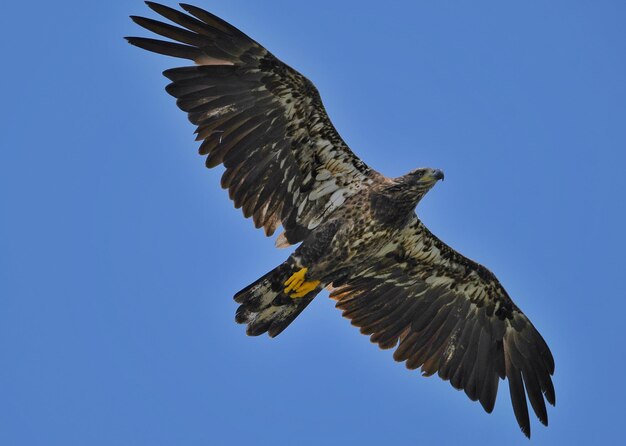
(119, 253)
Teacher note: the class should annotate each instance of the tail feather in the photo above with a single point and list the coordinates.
(264, 306)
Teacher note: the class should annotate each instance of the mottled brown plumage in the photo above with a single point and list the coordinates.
(286, 165)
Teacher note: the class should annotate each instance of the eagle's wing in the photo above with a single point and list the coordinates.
(450, 316)
(285, 162)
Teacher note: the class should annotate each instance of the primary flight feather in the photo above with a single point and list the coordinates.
(286, 165)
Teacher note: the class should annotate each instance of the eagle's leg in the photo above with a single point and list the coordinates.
(305, 289)
(297, 286)
(313, 250)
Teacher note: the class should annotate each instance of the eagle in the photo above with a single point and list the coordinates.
(357, 231)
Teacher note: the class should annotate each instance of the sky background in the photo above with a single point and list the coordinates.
(119, 253)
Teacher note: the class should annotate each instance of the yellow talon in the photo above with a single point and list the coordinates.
(297, 284)
(305, 289)
(295, 280)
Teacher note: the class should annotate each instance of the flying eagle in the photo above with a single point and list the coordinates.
(286, 165)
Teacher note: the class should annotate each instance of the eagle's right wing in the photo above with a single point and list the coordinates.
(451, 316)
(285, 162)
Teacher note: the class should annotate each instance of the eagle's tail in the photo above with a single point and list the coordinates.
(264, 305)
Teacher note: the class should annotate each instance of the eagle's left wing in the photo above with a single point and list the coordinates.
(450, 316)
(285, 164)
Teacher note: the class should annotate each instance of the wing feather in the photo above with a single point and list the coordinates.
(265, 122)
(449, 315)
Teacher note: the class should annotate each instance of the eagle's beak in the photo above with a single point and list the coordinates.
(438, 174)
(432, 176)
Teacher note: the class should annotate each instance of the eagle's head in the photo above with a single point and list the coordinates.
(422, 179)
(395, 202)
(414, 185)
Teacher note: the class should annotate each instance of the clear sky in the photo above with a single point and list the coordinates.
(119, 253)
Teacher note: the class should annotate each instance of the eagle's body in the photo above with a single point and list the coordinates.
(358, 234)
(366, 223)
(367, 226)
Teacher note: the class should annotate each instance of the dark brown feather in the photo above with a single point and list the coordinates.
(242, 100)
(465, 328)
